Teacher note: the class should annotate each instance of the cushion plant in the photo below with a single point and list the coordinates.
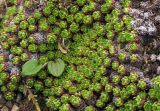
(80, 56)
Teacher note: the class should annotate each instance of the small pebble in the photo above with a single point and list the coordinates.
(4, 108)
(117, 5)
(19, 97)
(140, 74)
(148, 81)
(153, 57)
(9, 104)
(158, 57)
(15, 108)
(158, 70)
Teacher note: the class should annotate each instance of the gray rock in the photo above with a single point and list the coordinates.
(146, 15)
(157, 18)
(146, 27)
(4, 108)
(137, 23)
(158, 57)
(19, 98)
(151, 28)
(141, 30)
(117, 5)
(10, 57)
(158, 70)
(153, 57)
(136, 13)
(148, 81)
(9, 104)
(15, 70)
(145, 4)
(144, 22)
(141, 75)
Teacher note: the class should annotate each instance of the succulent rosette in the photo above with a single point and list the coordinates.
(92, 41)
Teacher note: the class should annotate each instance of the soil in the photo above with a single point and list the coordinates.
(150, 43)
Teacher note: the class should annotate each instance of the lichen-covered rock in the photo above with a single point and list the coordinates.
(143, 22)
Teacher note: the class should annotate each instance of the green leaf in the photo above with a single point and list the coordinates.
(31, 68)
(56, 68)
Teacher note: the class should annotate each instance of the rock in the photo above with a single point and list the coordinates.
(142, 30)
(4, 108)
(151, 28)
(146, 15)
(2, 100)
(158, 57)
(145, 20)
(153, 57)
(15, 70)
(157, 18)
(10, 56)
(135, 13)
(9, 104)
(147, 27)
(145, 4)
(19, 98)
(15, 108)
(148, 81)
(141, 75)
(158, 70)
(137, 23)
(1, 105)
(117, 5)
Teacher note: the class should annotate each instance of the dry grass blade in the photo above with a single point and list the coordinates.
(61, 48)
(31, 97)
(34, 100)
